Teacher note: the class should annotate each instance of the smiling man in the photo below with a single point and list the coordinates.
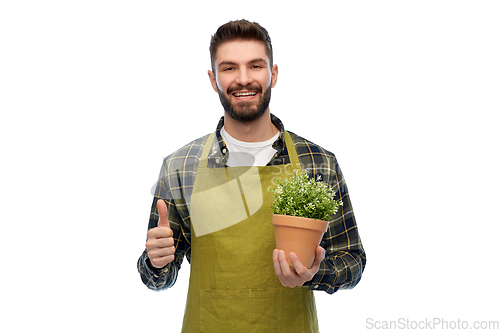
(211, 205)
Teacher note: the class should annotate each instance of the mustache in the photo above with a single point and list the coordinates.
(254, 87)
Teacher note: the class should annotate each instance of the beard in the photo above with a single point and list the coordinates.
(245, 110)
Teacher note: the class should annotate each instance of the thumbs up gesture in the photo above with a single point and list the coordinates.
(160, 243)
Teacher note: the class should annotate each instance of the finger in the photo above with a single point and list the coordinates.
(155, 233)
(161, 252)
(320, 255)
(162, 262)
(300, 269)
(163, 213)
(284, 265)
(276, 263)
(160, 242)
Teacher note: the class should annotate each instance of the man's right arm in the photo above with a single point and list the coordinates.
(166, 246)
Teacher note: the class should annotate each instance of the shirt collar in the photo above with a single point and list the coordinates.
(221, 155)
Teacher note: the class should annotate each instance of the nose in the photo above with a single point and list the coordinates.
(244, 77)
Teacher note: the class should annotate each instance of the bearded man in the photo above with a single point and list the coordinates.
(212, 206)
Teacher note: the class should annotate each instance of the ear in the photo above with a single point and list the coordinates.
(274, 73)
(213, 81)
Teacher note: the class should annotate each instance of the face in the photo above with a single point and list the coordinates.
(243, 79)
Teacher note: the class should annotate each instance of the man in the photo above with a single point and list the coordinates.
(212, 205)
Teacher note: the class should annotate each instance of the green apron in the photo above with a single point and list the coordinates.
(233, 286)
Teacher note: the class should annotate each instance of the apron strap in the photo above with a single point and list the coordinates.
(292, 153)
(208, 145)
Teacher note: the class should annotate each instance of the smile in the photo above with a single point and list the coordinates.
(244, 94)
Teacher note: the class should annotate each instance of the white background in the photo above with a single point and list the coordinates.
(94, 94)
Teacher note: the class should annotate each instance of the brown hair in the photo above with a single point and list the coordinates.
(240, 30)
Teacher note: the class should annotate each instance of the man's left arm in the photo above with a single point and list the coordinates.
(345, 258)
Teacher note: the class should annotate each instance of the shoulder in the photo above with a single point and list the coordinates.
(186, 156)
(315, 159)
(309, 150)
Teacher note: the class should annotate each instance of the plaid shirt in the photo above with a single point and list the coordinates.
(345, 257)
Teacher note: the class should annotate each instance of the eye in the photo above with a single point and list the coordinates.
(228, 69)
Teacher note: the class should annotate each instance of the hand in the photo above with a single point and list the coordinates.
(160, 243)
(297, 278)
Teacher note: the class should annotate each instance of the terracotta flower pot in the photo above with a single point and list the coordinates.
(299, 235)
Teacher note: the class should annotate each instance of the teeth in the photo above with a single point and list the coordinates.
(245, 94)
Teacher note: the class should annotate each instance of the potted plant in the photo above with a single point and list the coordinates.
(302, 208)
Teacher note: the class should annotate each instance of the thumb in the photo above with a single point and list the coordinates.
(163, 212)
(320, 255)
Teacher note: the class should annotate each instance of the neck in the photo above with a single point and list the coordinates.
(258, 130)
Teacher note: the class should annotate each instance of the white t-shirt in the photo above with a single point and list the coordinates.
(248, 153)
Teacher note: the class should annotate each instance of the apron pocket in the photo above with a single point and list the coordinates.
(254, 310)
